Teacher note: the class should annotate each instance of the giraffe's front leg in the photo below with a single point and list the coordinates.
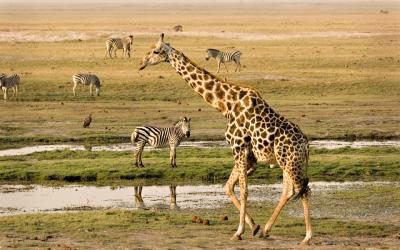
(243, 202)
(234, 177)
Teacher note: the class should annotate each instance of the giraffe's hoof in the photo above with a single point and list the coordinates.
(255, 230)
(236, 237)
(305, 242)
(264, 235)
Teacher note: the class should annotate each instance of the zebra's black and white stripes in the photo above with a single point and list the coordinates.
(160, 138)
(86, 79)
(114, 44)
(223, 57)
(9, 82)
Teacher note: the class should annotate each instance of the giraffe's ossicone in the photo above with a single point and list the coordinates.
(255, 132)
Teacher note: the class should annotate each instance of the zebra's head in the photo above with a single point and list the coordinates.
(211, 53)
(130, 39)
(184, 125)
(157, 54)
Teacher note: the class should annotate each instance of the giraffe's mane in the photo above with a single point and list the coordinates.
(204, 70)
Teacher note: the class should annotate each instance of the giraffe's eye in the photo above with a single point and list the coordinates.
(156, 52)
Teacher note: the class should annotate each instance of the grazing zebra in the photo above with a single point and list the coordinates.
(223, 57)
(9, 82)
(178, 28)
(86, 79)
(160, 138)
(114, 44)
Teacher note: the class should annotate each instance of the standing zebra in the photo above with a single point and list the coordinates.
(86, 79)
(223, 57)
(160, 138)
(114, 44)
(9, 82)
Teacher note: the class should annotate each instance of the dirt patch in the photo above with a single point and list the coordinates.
(203, 238)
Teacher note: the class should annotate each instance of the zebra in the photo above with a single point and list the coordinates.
(178, 28)
(115, 44)
(160, 138)
(86, 79)
(9, 82)
(223, 57)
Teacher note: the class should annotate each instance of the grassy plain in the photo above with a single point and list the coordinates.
(314, 70)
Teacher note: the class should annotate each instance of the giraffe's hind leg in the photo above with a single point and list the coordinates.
(307, 219)
(287, 193)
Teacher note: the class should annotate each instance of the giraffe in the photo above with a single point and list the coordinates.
(255, 132)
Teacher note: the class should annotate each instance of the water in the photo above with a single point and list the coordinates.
(19, 199)
(330, 144)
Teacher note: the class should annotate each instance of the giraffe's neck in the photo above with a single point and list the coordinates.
(213, 90)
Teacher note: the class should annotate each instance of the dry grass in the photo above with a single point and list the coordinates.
(333, 87)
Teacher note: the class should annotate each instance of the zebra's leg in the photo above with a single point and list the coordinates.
(172, 156)
(4, 93)
(172, 197)
(138, 197)
(73, 89)
(16, 90)
(138, 153)
(238, 66)
(219, 66)
(97, 91)
(226, 67)
(115, 52)
(91, 89)
(13, 88)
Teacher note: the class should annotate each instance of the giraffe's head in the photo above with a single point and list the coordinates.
(184, 125)
(157, 54)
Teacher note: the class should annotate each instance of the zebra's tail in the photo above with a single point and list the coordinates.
(134, 136)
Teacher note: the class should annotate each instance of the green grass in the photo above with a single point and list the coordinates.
(200, 165)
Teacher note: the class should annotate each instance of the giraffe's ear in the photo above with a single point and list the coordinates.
(162, 37)
(189, 119)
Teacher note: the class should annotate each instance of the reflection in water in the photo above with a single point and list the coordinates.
(20, 199)
(139, 203)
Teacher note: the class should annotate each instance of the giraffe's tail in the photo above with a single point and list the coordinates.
(304, 188)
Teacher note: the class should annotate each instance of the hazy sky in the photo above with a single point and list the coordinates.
(60, 2)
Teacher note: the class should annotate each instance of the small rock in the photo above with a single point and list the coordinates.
(199, 220)
(199, 110)
(194, 218)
